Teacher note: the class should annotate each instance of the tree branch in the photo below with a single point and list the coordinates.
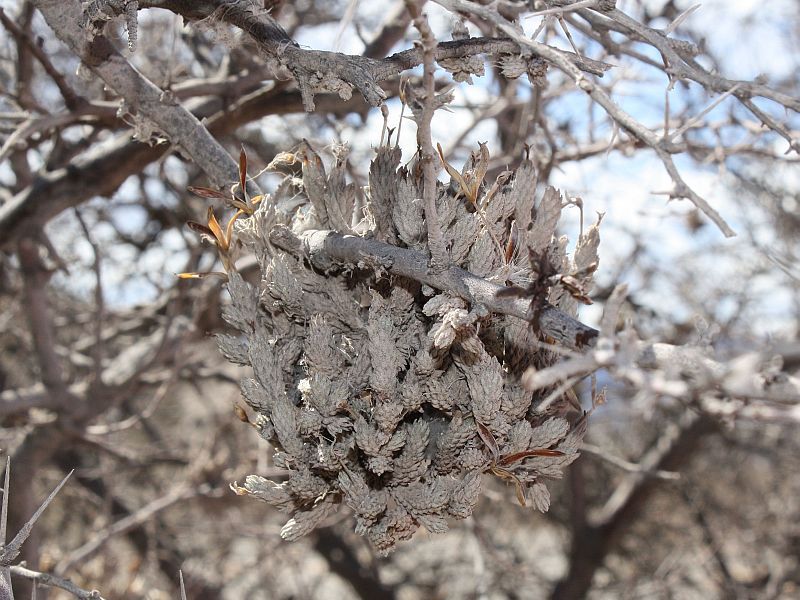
(600, 96)
(53, 581)
(144, 97)
(591, 544)
(317, 71)
(101, 170)
(35, 277)
(328, 249)
(423, 115)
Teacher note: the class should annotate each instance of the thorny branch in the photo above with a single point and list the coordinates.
(146, 99)
(318, 70)
(49, 580)
(364, 73)
(10, 551)
(423, 115)
(685, 373)
(601, 97)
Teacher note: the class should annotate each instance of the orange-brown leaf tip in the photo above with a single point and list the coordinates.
(229, 227)
(214, 225)
(238, 490)
(199, 228)
(205, 192)
(201, 275)
(240, 413)
(243, 170)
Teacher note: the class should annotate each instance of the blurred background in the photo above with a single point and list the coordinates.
(107, 365)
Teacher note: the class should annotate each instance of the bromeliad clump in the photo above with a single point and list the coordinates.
(379, 392)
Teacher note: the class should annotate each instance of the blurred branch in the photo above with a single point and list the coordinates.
(99, 304)
(16, 401)
(179, 493)
(53, 581)
(673, 447)
(591, 543)
(626, 465)
(169, 557)
(715, 547)
(392, 31)
(90, 113)
(35, 277)
(71, 100)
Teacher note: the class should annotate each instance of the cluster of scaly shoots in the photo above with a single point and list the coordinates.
(380, 394)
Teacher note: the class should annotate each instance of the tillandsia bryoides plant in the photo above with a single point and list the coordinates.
(377, 390)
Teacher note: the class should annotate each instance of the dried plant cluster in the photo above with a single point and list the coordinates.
(384, 394)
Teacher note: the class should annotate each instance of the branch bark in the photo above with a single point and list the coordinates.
(145, 98)
(52, 581)
(316, 71)
(101, 170)
(328, 249)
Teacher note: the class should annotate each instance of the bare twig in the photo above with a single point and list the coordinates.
(72, 100)
(423, 116)
(54, 581)
(4, 513)
(652, 461)
(183, 587)
(699, 116)
(179, 493)
(99, 301)
(5, 574)
(11, 550)
(560, 10)
(600, 96)
(626, 465)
